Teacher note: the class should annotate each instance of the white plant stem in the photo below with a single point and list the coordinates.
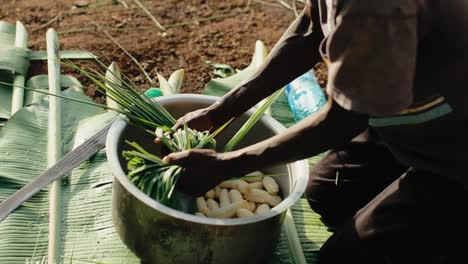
(21, 41)
(54, 145)
(259, 57)
(113, 76)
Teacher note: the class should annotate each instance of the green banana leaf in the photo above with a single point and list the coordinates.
(87, 232)
(65, 55)
(13, 60)
(7, 39)
(16, 60)
(5, 96)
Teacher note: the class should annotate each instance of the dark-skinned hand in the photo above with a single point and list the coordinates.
(202, 169)
(200, 120)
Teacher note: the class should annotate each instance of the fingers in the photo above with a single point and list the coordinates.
(197, 182)
(188, 185)
(185, 119)
(196, 177)
(179, 123)
(202, 169)
(190, 157)
(198, 120)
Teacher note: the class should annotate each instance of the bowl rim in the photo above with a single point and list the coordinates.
(119, 125)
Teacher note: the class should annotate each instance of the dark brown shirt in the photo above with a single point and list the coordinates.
(386, 56)
(403, 62)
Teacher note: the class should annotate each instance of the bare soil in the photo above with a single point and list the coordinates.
(196, 31)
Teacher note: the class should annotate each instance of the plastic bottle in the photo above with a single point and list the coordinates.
(305, 96)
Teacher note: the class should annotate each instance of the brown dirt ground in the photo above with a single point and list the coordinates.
(229, 39)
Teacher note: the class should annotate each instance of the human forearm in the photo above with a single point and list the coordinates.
(330, 127)
(295, 53)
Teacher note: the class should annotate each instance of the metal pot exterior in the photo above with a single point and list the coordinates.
(159, 234)
(159, 238)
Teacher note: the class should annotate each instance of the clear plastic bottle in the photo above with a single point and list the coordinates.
(305, 96)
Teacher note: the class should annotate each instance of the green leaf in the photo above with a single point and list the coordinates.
(221, 70)
(139, 108)
(65, 54)
(207, 140)
(251, 121)
(176, 79)
(14, 64)
(5, 94)
(87, 127)
(141, 153)
(260, 55)
(164, 85)
(133, 162)
(113, 76)
(174, 84)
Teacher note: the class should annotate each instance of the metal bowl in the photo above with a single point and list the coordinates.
(159, 234)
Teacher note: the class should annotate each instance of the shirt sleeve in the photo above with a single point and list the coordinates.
(372, 55)
(294, 54)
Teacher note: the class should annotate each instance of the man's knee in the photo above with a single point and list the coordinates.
(321, 195)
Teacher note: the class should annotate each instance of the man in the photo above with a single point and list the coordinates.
(393, 184)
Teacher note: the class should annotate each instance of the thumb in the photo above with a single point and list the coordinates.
(184, 120)
(179, 123)
(189, 157)
(176, 158)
